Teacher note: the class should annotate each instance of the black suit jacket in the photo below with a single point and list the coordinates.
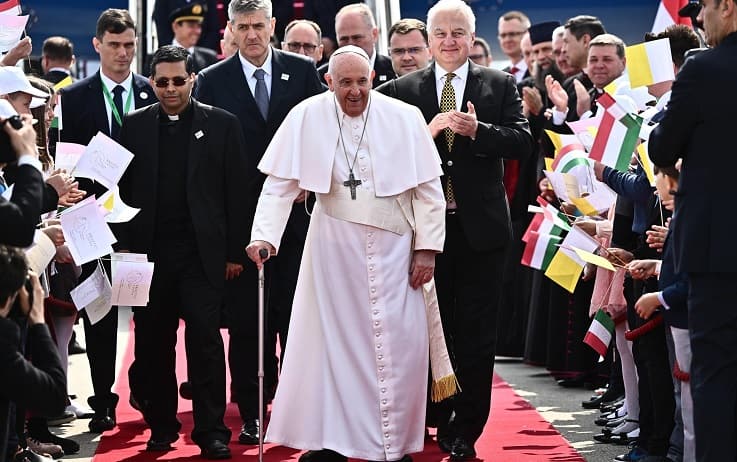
(201, 58)
(699, 128)
(214, 170)
(382, 67)
(41, 386)
(224, 85)
(476, 165)
(21, 213)
(83, 106)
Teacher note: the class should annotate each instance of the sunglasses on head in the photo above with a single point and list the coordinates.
(164, 81)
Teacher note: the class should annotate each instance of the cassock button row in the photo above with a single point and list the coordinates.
(386, 424)
(384, 413)
(370, 234)
(363, 169)
(378, 346)
(381, 380)
(383, 401)
(376, 323)
(388, 446)
(370, 257)
(376, 312)
(386, 435)
(371, 267)
(449, 163)
(378, 334)
(370, 245)
(383, 390)
(372, 278)
(380, 357)
(373, 290)
(381, 368)
(373, 301)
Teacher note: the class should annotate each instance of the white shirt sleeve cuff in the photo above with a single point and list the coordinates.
(662, 300)
(559, 117)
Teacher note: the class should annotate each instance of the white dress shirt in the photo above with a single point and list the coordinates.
(249, 69)
(458, 82)
(110, 84)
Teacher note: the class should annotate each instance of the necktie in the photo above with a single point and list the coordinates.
(3, 185)
(448, 103)
(262, 96)
(594, 94)
(513, 70)
(118, 102)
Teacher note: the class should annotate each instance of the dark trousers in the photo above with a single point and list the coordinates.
(655, 382)
(469, 287)
(712, 311)
(281, 274)
(101, 341)
(180, 288)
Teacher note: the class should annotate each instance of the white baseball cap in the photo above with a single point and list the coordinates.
(12, 79)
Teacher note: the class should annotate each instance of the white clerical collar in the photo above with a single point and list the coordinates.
(60, 69)
(177, 44)
(110, 83)
(461, 72)
(249, 69)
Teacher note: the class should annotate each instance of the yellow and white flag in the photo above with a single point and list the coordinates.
(649, 63)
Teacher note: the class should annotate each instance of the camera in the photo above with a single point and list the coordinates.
(7, 153)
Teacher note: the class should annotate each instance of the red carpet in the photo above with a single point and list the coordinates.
(515, 432)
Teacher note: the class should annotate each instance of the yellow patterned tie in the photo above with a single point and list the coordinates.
(448, 103)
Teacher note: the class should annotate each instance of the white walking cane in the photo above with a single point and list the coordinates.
(263, 253)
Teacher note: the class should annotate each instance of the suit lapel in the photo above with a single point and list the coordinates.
(97, 102)
(471, 92)
(239, 86)
(197, 140)
(141, 92)
(279, 85)
(428, 102)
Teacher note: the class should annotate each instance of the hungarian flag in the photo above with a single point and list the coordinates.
(617, 136)
(600, 333)
(667, 15)
(11, 7)
(541, 238)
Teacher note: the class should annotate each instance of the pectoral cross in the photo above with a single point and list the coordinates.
(352, 183)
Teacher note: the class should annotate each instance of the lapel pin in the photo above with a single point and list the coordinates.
(285, 76)
(199, 134)
(143, 95)
(382, 78)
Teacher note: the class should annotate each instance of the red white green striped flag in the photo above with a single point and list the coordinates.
(600, 333)
(11, 7)
(617, 136)
(540, 250)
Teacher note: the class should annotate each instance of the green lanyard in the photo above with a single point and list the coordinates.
(113, 109)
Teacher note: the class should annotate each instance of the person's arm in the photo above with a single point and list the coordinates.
(510, 137)
(202, 89)
(236, 164)
(633, 186)
(669, 140)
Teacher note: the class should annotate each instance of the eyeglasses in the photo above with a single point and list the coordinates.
(296, 46)
(504, 35)
(177, 81)
(402, 51)
(474, 57)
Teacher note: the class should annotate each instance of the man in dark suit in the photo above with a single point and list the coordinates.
(183, 149)
(260, 86)
(510, 30)
(186, 23)
(475, 115)
(355, 25)
(98, 104)
(210, 27)
(697, 127)
(57, 59)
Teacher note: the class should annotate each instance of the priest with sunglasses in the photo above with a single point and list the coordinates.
(185, 178)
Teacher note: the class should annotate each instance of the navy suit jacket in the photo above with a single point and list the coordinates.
(476, 165)
(224, 85)
(699, 127)
(22, 212)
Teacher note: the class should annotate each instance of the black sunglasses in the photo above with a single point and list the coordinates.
(164, 82)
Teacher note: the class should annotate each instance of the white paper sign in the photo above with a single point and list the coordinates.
(68, 155)
(11, 30)
(41, 252)
(104, 161)
(114, 209)
(94, 294)
(131, 280)
(87, 235)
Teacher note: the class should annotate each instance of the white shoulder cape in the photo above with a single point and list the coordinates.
(403, 154)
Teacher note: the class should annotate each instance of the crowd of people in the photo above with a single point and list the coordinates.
(390, 202)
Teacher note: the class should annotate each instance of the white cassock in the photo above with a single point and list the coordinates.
(354, 377)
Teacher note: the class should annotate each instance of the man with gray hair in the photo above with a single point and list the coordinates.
(475, 115)
(355, 370)
(355, 25)
(260, 85)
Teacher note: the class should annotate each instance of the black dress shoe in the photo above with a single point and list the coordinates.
(249, 432)
(445, 444)
(593, 403)
(74, 347)
(161, 442)
(462, 450)
(215, 450)
(323, 455)
(104, 418)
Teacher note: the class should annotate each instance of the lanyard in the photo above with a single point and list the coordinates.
(113, 109)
